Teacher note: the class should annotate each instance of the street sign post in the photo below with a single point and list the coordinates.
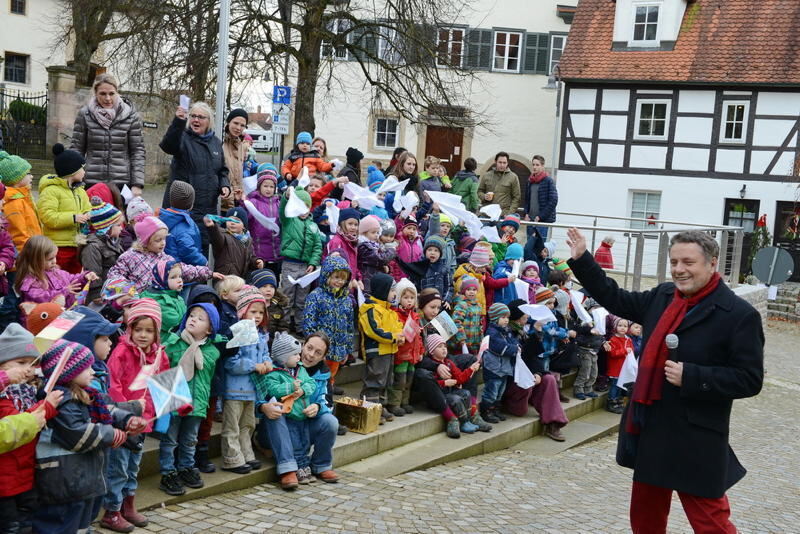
(282, 94)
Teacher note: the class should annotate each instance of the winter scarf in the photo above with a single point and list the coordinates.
(243, 238)
(538, 177)
(98, 411)
(105, 116)
(23, 396)
(193, 357)
(650, 380)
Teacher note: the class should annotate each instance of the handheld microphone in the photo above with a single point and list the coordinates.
(672, 346)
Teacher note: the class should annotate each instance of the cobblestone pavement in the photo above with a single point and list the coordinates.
(580, 490)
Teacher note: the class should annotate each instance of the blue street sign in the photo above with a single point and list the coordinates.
(282, 94)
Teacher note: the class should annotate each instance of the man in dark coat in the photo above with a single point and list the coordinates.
(541, 197)
(680, 410)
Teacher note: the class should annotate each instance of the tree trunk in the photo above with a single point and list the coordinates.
(308, 68)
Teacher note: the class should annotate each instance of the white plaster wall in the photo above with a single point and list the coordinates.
(613, 126)
(32, 34)
(690, 159)
(691, 101)
(693, 130)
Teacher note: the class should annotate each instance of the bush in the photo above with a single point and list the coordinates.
(26, 112)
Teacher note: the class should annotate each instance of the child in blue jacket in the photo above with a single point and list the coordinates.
(503, 269)
(183, 241)
(498, 362)
(242, 371)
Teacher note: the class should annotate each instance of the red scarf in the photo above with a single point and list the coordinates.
(650, 379)
(536, 178)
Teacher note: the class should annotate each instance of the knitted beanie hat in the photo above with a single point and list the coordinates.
(528, 265)
(354, 156)
(497, 311)
(284, 347)
(511, 219)
(247, 296)
(480, 256)
(161, 273)
(467, 243)
(145, 307)
(16, 342)
(238, 112)
(514, 252)
(42, 315)
(381, 285)
(444, 219)
(303, 195)
(467, 282)
(543, 294)
(433, 341)
(101, 190)
(375, 178)
(388, 227)
(263, 277)
(181, 195)
(513, 307)
(267, 169)
(267, 174)
(404, 284)
(562, 302)
(349, 213)
(368, 223)
(303, 137)
(410, 221)
(241, 214)
(138, 209)
(12, 168)
(102, 216)
(80, 360)
(67, 162)
(435, 241)
(426, 297)
(148, 226)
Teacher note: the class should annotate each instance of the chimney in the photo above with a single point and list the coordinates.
(258, 110)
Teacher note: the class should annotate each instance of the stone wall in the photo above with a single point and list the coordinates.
(756, 296)
(66, 98)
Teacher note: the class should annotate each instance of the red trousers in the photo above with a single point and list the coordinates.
(650, 510)
(68, 260)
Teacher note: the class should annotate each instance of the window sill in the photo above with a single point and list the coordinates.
(732, 142)
(653, 140)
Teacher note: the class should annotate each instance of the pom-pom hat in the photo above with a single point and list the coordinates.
(103, 216)
(66, 162)
(79, 360)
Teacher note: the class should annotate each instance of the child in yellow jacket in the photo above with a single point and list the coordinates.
(382, 333)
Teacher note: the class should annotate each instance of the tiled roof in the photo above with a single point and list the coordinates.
(720, 41)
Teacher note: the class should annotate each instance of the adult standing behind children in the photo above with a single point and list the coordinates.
(541, 197)
(500, 186)
(197, 158)
(235, 151)
(680, 408)
(108, 133)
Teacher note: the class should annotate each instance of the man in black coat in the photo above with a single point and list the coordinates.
(679, 416)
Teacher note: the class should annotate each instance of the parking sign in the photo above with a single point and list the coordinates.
(282, 94)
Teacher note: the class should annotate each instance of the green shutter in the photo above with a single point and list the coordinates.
(537, 53)
(479, 49)
(364, 42)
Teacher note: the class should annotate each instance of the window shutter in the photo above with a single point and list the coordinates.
(421, 48)
(537, 51)
(479, 49)
(364, 42)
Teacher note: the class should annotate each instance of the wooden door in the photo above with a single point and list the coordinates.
(446, 144)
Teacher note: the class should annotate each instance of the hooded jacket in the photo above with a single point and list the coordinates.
(57, 207)
(172, 305)
(280, 383)
(380, 325)
(231, 256)
(321, 376)
(465, 185)
(331, 311)
(20, 211)
(311, 160)
(116, 154)
(300, 241)
(99, 255)
(86, 333)
(266, 243)
(240, 375)
(183, 241)
(603, 256)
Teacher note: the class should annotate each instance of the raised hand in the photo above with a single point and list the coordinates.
(577, 243)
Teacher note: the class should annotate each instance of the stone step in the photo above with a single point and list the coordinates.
(349, 448)
(775, 307)
(784, 316)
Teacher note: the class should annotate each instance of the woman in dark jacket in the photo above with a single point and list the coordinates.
(108, 133)
(197, 158)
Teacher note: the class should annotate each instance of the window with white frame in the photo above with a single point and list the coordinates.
(450, 47)
(337, 27)
(652, 118)
(645, 205)
(557, 44)
(645, 23)
(386, 132)
(15, 68)
(507, 51)
(387, 46)
(734, 121)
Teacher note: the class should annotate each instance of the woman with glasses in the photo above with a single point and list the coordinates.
(197, 158)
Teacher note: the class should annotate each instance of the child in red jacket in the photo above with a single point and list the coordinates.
(617, 349)
(17, 467)
(409, 354)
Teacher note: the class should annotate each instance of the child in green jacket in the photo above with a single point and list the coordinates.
(289, 382)
(166, 290)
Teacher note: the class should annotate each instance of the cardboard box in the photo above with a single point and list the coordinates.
(357, 415)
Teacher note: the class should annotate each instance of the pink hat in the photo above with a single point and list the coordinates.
(433, 341)
(370, 222)
(145, 307)
(480, 256)
(147, 227)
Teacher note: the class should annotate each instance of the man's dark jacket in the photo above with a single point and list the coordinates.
(684, 442)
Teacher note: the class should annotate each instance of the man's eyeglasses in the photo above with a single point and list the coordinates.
(198, 117)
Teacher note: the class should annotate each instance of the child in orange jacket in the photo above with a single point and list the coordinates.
(303, 155)
(18, 206)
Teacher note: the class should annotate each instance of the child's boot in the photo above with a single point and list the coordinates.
(482, 425)
(405, 403)
(130, 513)
(497, 412)
(114, 521)
(395, 395)
(466, 426)
(453, 429)
(201, 459)
(488, 414)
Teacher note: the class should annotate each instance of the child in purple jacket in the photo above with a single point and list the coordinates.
(266, 242)
(373, 256)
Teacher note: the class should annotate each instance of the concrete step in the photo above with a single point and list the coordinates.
(776, 307)
(438, 448)
(588, 428)
(784, 316)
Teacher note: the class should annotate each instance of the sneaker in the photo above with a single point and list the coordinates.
(592, 395)
(191, 478)
(304, 475)
(289, 481)
(553, 432)
(255, 465)
(468, 428)
(239, 469)
(453, 429)
(114, 521)
(387, 415)
(311, 477)
(407, 408)
(482, 425)
(337, 390)
(329, 476)
(580, 396)
(395, 410)
(171, 484)
(341, 431)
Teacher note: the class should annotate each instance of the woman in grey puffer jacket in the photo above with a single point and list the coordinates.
(108, 133)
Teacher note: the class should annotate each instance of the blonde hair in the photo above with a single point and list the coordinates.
(105, 78)
(205, 108)
(79, 394)
(229, 284)
(432, 161)
(31, 261)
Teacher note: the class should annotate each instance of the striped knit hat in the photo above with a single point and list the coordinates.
(263, 277)
(511, 220)
(480, 256)
(528, 265)
(437, 242)
(433, 341)
(248, 296)
(145, 307)
(375, 178)
(102, 216)
(284, 346)
(543, 294)
(497, 311)
(80, 360)
(468, 281)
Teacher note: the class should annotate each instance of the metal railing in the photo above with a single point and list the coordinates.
(646, 249)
